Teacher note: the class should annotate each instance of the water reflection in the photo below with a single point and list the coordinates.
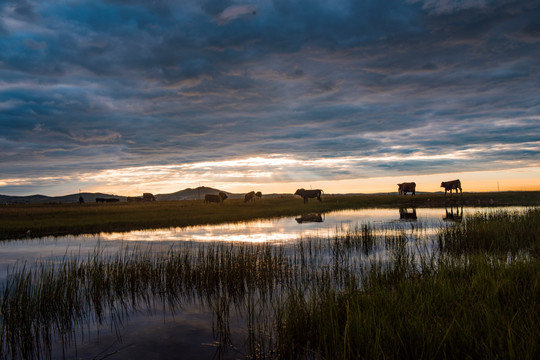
(454, 214)
(277, 230)
(311, 217)
(406, 214)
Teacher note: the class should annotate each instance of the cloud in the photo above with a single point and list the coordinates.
(105, 86)
(235, 12)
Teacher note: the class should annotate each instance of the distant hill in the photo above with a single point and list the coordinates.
(186, 194)
(65, 199)
(191, 194)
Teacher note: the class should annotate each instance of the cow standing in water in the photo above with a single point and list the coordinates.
(212, 198)
(404, 188)
(306, 194)
(451, 185)
(250, 196)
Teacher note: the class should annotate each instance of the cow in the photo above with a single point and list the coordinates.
(258, 194)
(148, 197)
(250, 196)
(213, 198)
(404, 188)
(306, 194)
(452, 185)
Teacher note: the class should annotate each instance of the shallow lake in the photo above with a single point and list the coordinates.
(160, 331)
(277, 230)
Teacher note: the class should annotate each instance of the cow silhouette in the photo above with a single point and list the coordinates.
(309, 194)
(213, 198)
(452, 185)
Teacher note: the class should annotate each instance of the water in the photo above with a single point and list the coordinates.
(189, 327)
(279, 231)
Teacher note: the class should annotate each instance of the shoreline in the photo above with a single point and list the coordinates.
(21, 221)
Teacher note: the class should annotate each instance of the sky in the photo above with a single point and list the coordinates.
(133, 96)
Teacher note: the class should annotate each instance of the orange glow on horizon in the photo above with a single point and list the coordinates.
(485, 181)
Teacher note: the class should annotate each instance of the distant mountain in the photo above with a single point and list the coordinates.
(194, 194)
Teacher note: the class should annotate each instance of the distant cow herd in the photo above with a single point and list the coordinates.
(403, 189)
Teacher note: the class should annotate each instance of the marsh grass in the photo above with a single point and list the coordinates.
(475, 309)
(501, 232)
(358, 293)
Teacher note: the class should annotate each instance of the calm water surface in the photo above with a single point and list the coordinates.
(279, 230)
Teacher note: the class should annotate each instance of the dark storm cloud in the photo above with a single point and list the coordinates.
(111, 84)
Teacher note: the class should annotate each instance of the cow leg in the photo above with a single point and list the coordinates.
(319, 198)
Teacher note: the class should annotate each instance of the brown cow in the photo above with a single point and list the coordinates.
(212, 198)
(309, 194)
(250, 196)
(452, 185)
(404, 188)
(258, 194)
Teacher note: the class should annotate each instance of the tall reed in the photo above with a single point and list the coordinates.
(500, 232)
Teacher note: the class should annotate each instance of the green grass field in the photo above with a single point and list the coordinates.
(17, 221)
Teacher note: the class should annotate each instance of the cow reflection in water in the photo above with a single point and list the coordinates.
(405, 214)
(454, 214)
(312, 217)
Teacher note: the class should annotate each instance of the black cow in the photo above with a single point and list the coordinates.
(404, 188)
(451, 185)
(258, 194)
(212, 198)
(250, 196)
(306, 194)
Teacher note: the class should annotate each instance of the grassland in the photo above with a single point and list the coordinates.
(17, 221)
(329, 297)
